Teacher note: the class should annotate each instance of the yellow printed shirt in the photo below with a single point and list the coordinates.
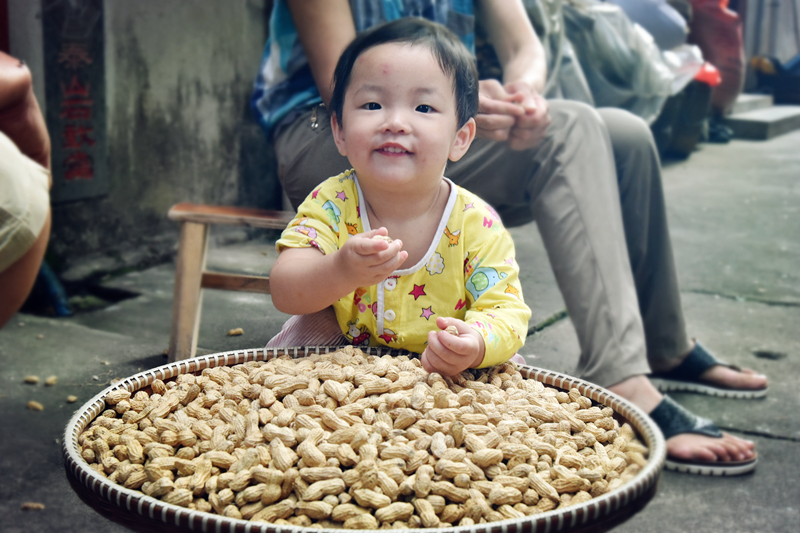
(469, 272)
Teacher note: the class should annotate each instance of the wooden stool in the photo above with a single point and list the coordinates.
(191, 276)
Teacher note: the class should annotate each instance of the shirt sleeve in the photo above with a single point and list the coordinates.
(317, 225)
(498, 313)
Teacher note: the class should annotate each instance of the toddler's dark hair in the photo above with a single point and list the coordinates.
(453, 57)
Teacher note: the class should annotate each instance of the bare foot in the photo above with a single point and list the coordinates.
(723, 376)
(730, 378)
(688, 446)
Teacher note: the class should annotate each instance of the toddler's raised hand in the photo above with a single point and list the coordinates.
(368, 261)
(450, 354)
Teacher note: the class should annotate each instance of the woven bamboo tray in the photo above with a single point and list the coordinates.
(139, 512)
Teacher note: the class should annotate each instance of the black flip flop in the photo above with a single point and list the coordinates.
(686, 377)
(673, 419)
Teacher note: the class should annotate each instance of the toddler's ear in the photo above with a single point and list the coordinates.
(463, 140)
(338, 134)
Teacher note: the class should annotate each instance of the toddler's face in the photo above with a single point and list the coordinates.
(399, 124)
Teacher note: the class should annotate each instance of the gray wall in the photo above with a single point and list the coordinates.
(178, 79)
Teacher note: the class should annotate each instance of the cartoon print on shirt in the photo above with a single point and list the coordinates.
(453, 236)
(489, 222)
(470, 266)
(301, 227)
(510, 289)
(427, 312)
(361, 299)
(333, 214)
(419, 290)
(483, 279)
(388, 336)
(487, 332)
(356, 334)
(341, 196)
(352, 229)
(435, 264)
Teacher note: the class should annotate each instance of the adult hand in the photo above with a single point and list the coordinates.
(367, 261)
(497, 111)
(529, 127)
(449, 354)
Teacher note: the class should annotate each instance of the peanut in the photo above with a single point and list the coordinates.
(355, 441)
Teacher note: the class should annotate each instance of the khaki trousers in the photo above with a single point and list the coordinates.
(593, 186)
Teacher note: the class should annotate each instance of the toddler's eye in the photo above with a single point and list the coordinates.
(372, 106)
(424, 108)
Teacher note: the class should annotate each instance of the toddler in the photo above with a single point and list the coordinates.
(391, 252)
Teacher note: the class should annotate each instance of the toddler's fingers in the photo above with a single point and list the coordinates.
(365, 245)
(393, 262)
(378, 231)
(433, 362)
(390, 253)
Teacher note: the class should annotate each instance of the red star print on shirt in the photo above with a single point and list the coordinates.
(419, 290)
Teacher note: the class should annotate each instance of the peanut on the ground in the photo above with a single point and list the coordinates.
(353, 441)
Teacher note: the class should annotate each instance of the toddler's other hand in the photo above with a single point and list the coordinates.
(369, 261)
(449, 354)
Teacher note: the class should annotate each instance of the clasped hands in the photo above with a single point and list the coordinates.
(512, 113)
(368, 261)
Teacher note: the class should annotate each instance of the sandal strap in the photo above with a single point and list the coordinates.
(674, 419)
(693, 365)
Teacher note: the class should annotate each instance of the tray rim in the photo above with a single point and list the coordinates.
(146, 507)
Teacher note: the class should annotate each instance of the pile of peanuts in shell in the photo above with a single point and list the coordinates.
(347, 440)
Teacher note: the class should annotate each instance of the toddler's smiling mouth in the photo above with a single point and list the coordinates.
(393, 149)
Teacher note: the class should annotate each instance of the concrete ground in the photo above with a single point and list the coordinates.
(735, 219)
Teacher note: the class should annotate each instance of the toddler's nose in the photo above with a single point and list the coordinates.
(397, 121)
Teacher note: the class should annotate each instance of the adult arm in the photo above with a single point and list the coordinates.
(20, 117)
(524, 65)
(519, 50)
(325, 28)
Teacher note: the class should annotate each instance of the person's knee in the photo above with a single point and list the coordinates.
(629, 133)
(578, 131)
(575, 114)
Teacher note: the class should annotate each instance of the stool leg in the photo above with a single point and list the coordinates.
(186, 305)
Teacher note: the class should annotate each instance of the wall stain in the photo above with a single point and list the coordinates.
(159, 154)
